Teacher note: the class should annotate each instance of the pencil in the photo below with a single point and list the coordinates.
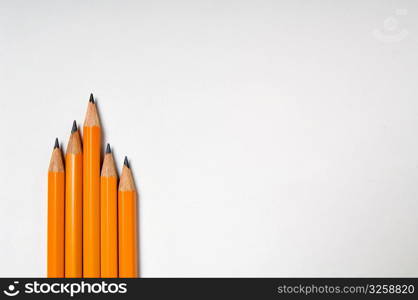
(108, 217)
(74, 206)
(91, 192)
(127, 221)
(55, 260)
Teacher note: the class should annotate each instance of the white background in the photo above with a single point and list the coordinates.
(267, 138)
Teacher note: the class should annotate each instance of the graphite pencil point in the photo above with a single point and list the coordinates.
(57, 145)
(126, 163)
(91, 98)
(74, 129)
(108, 150)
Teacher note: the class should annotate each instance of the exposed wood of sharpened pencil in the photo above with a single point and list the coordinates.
(92, 117)
(126, 180)
(108, 166)
(56, 164)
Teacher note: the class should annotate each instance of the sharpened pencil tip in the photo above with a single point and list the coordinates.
(91, 98)
(108, 150)
(126, 163)
(57, 145)
(74, 129)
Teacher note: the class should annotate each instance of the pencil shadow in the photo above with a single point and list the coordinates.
(138, 227)
(114, 154)
(103, 132)
(61, 146)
